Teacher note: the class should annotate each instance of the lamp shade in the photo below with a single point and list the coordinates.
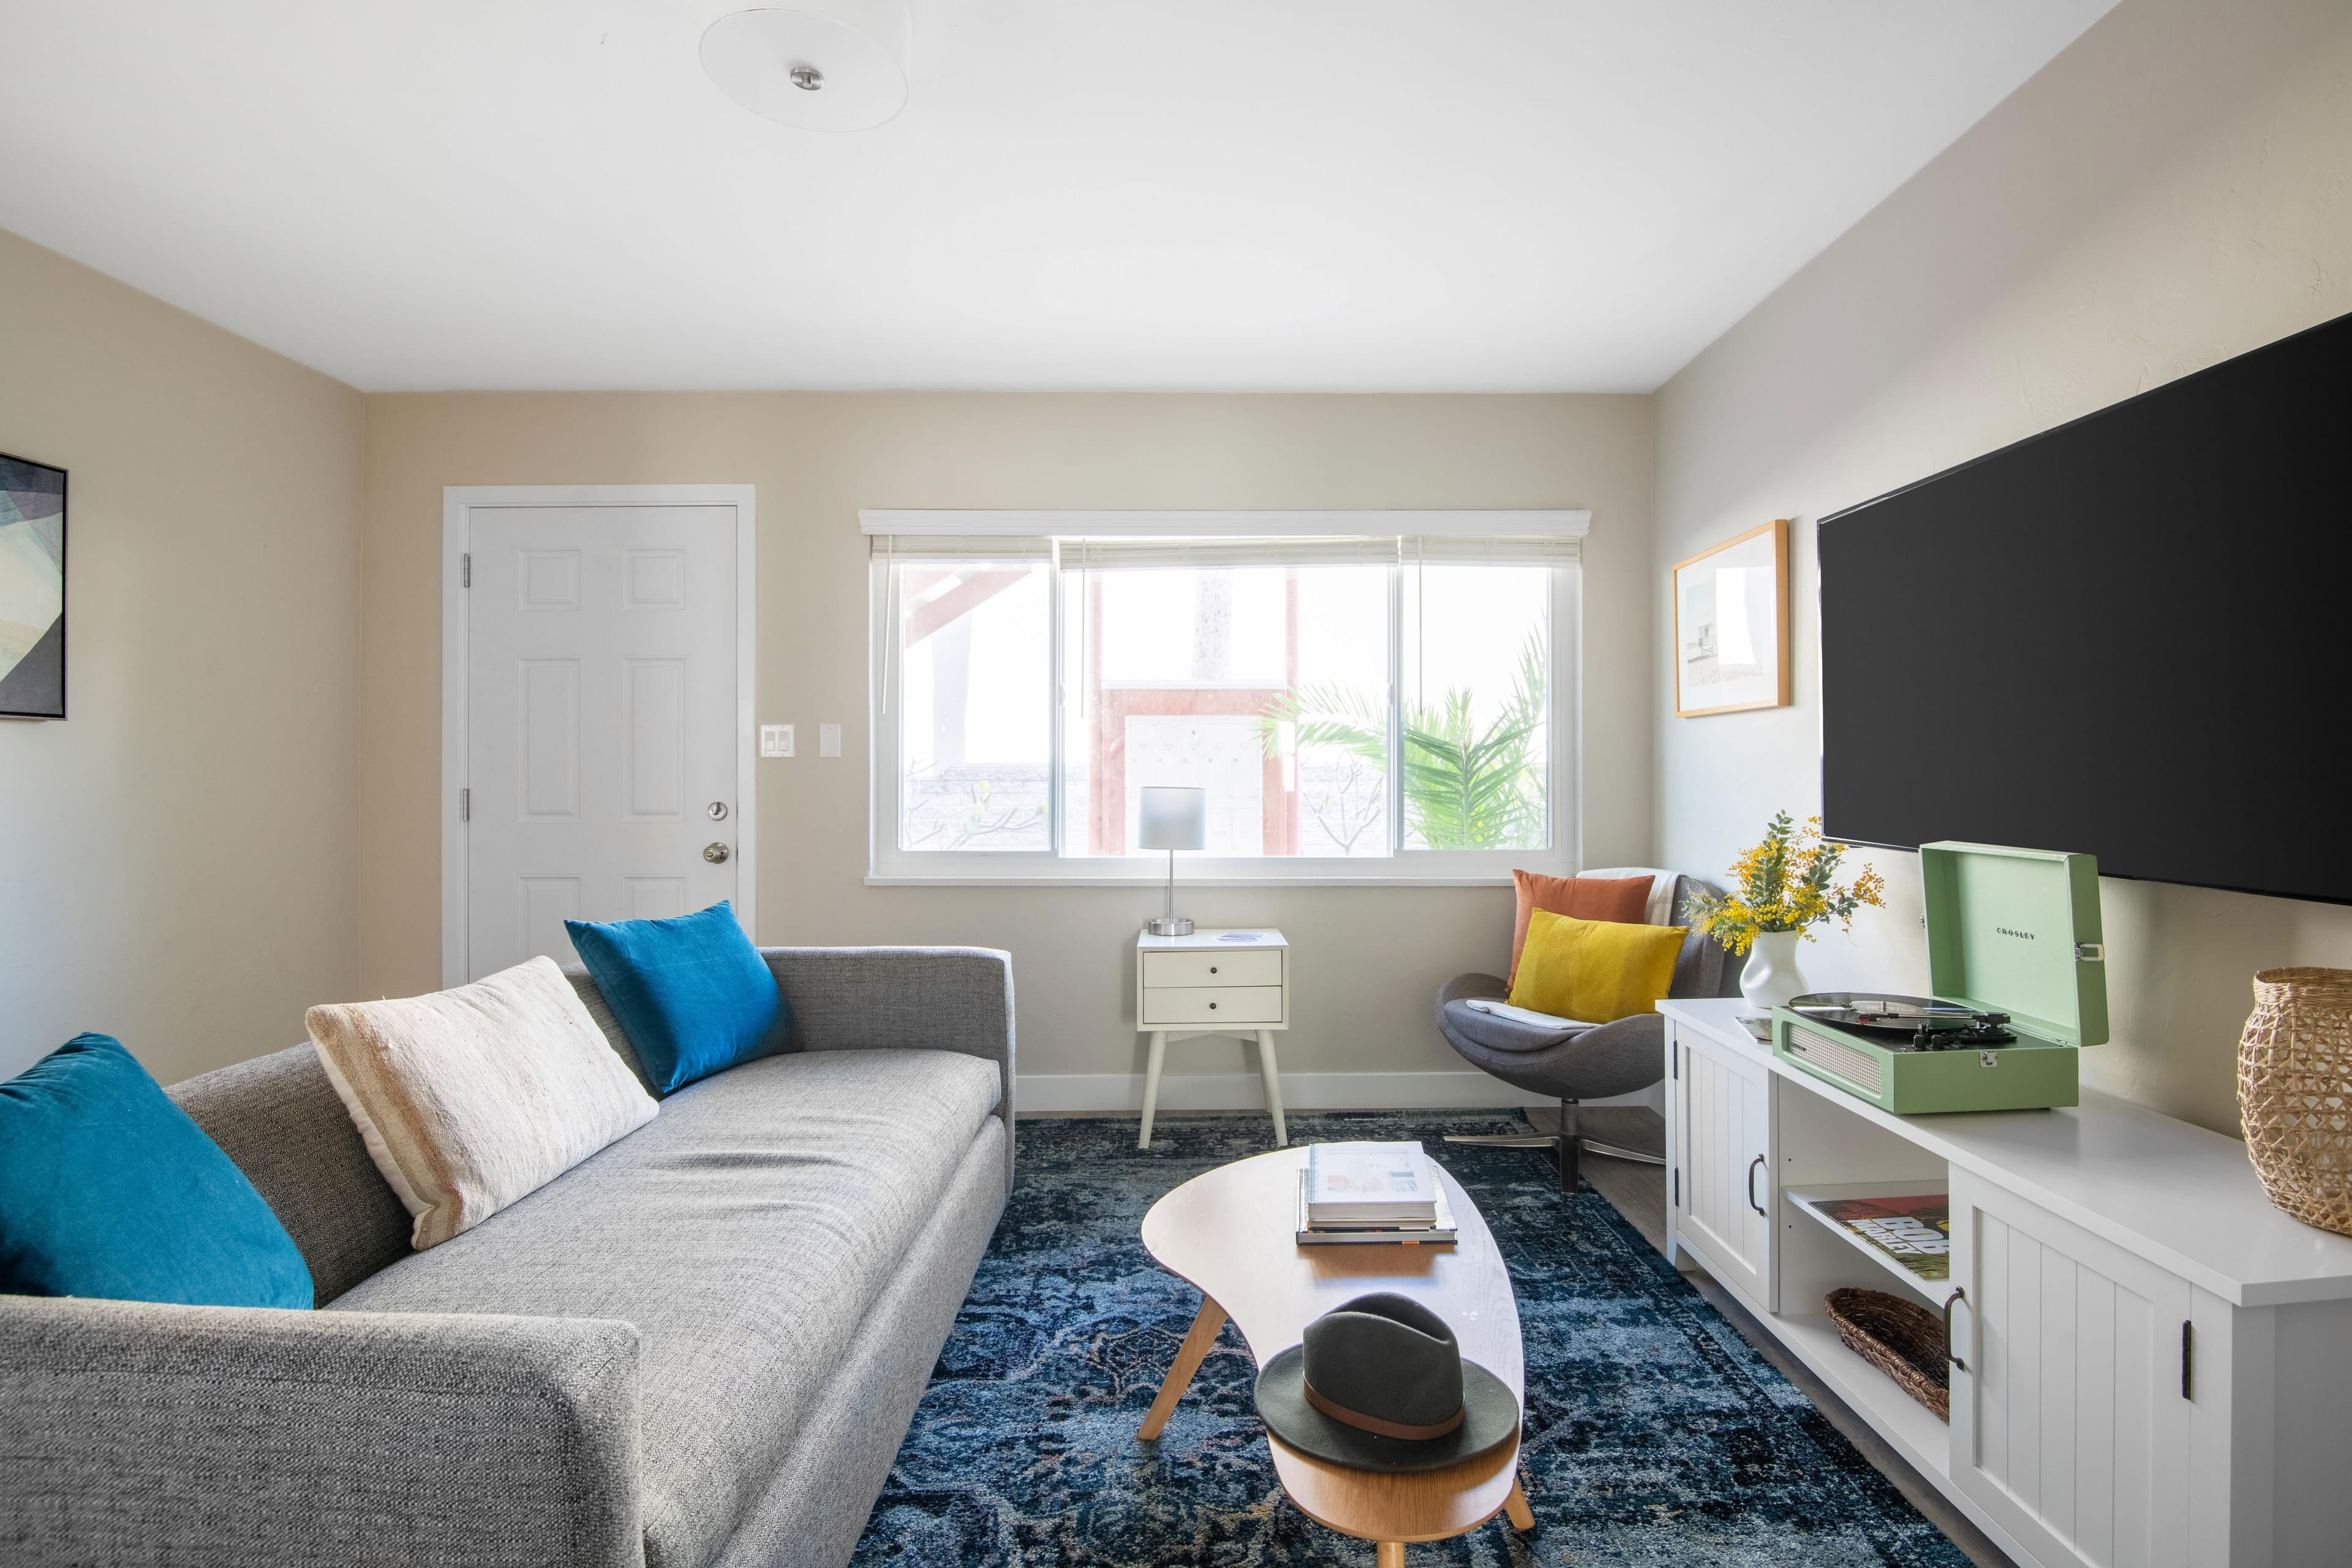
(1174, 818)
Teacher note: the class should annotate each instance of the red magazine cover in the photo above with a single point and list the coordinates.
(1916, 1232)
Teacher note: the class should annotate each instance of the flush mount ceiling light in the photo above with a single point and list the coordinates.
(822, 65)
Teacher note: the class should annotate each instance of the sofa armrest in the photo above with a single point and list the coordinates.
(131, 1432)
(916, 999)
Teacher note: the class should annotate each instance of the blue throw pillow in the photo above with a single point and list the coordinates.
(108, 1189)
(692, 994)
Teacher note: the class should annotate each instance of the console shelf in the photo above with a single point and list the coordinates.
(1802, 1199)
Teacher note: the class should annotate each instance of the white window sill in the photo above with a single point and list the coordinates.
(1389, 879)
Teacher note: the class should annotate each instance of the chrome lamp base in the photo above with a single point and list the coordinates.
(1168, 923)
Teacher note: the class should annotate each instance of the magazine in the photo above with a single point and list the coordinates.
(1916, 1232)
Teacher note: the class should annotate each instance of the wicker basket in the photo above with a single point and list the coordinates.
(2294, 1092)
(1901, 1339)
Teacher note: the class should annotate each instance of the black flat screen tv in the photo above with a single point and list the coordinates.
(2129, 636)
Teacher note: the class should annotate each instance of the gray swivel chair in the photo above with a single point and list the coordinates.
(1583, 1063)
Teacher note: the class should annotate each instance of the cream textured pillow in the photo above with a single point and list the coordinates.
(470, 1099)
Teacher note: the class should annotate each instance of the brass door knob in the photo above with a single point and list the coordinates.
(714, 853)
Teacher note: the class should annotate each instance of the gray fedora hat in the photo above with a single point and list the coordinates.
(1380, 1384)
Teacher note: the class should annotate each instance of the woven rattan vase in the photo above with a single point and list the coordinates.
(2294, 1092)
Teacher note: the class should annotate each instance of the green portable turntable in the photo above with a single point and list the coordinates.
(2019, 974)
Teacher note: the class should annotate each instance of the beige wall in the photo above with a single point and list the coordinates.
(1368, 961)
(178, 858)
(2174, 189)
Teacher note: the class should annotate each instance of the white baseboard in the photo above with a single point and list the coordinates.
(1112, 1093)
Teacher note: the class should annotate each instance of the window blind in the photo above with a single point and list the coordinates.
(1201, 553)
(959, 547)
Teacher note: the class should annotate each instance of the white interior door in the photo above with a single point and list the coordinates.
(601, 752)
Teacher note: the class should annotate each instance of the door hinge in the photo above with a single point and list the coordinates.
(465, 570)
(2187, 1358)
(465, 805)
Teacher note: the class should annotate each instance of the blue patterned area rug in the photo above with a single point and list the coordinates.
(1653, 1433)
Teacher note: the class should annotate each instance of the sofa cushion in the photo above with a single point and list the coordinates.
(745, 1232)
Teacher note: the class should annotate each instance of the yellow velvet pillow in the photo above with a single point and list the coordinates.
(1595, 971)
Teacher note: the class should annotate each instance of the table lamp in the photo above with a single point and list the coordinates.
(1173, 818)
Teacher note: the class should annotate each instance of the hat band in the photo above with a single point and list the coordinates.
(1364, 1423)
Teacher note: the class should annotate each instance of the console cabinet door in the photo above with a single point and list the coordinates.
(2069, 1422)
(1724, 1138)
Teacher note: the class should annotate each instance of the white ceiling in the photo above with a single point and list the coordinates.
(1243, 194)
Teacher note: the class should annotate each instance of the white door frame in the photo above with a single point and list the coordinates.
(458, 503)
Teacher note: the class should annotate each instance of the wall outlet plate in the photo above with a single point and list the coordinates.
(828, 739)
(775, 740)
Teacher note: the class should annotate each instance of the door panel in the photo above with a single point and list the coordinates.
(2067, 1422)
(653, 729)
(1728, 1176)
(600, 721)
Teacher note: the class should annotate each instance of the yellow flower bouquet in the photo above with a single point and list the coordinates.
(1787, 883)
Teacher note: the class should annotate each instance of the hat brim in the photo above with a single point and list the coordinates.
(1490, 1417)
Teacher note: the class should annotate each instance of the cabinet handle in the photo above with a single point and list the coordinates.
(1753, 1166)
(1957, 1295)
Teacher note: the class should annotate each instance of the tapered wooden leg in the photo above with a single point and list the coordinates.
(1152, 1084)
(1179, 1371)
(1273, 1075)
(1392, 1554)
(1515, 1507)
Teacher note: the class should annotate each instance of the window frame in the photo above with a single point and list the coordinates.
(887, 865)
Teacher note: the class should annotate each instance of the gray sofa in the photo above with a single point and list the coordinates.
(700, 1346)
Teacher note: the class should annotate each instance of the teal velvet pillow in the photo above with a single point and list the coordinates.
(108, 1189)
(692, 994)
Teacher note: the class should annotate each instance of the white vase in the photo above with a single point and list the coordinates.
(1771, 978)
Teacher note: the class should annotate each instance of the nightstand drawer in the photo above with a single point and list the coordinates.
(1213, 968)
(1165, 1004)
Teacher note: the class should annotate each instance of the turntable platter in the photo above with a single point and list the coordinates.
(1883, 1011)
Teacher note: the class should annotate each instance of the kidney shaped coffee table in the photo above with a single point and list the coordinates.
(1233, 1234)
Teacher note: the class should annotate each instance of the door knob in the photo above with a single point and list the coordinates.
(714, 853)
(716, 811)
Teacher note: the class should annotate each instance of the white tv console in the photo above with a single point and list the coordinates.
(2151, 1364)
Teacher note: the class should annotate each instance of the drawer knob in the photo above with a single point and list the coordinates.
(1212, 969)
(1213, 1007)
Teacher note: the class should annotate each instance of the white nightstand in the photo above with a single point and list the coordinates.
(1213, 982)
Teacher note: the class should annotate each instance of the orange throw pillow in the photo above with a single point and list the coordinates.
(1621, 898)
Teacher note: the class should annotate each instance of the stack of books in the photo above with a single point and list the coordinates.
(1372, 1193)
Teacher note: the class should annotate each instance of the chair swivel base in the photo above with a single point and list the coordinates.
(1552, 1141)
(1565, 1145)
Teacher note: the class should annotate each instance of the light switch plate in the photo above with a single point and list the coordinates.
(828, 739)
(775, 740)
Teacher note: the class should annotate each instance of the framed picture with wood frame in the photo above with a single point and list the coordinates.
(1731, 625)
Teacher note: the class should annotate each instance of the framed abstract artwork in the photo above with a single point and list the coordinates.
(1731, 625)
(31, 590)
